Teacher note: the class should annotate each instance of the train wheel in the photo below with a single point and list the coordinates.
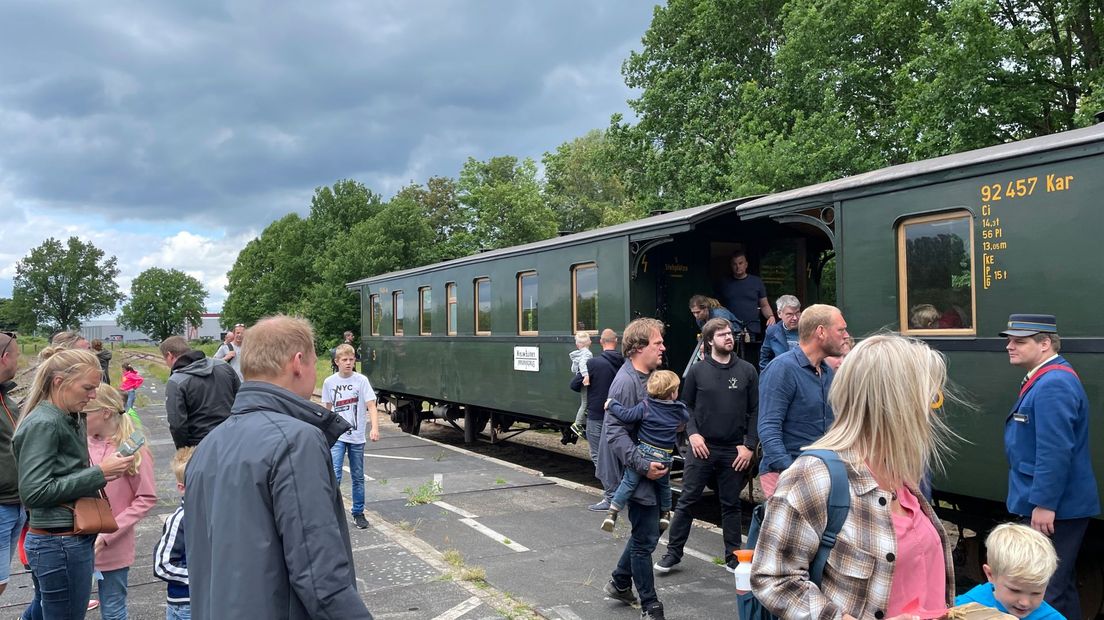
(410, 420)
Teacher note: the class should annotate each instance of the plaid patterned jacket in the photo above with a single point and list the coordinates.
(860, 567)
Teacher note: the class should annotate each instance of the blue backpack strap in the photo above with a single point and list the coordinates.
(839, 504)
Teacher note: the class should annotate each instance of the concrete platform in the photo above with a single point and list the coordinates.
(497, 541)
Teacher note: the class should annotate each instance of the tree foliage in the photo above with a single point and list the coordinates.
(505, 197)
(584, 186)
(61, 285)
(163, 303)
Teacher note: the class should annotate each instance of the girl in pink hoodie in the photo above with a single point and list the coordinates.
(131, 382)
(132, 496)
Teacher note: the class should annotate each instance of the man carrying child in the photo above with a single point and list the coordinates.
(349, 394)
(661, 417)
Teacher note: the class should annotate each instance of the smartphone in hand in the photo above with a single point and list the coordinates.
(132, 444)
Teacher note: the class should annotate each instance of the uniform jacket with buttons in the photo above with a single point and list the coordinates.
(859, 572)
(1046, 440)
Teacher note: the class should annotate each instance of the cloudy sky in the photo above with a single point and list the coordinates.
(171, 133)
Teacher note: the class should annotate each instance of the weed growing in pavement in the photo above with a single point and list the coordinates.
(426, 493)
(440, 456)
(382, 481)
(407, 526)
(500, 481)
(506, 541)
(453, 558)
(718, 561)
(475, 574)
(517, 610)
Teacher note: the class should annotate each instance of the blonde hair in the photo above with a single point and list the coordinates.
(57, 362)
(638, 334)
(924, 316)
(1019, 552)
(180, 462)
(273, 341)
(882, 398)
(111, 399)
(816, 315)
(582, 338)
(344, 350)
(67, 340)
(662, 384)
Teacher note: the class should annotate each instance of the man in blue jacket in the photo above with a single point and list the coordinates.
(601, 368)
(1046, 438)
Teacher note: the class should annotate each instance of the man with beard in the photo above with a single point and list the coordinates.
(722, 393)
(793, 392)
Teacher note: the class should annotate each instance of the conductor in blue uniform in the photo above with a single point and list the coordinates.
(1046, 438)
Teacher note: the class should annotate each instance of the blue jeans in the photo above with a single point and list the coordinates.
(356, 470)
(61, 570)
(630, 479)
(12, 517)
(635, 565)
(178, 611)
(130, 395)
(113, 594)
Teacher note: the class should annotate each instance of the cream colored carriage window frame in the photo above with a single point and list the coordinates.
(907, 306)
(527, 307)
(450, 308)
(482, 325)
(397, 313)
(576, 325)
(375, 314)
(425, 310)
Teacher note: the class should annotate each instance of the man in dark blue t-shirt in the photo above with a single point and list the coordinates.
(746, 297)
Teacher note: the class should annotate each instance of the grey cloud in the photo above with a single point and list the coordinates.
(185, 110)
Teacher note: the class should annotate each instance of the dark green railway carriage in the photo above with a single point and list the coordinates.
(942, 249)
(490, 334)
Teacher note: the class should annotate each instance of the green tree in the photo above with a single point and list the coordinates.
(584, 186)
(61, 285)
(506, 199)
(452, 221)
(163, 303)
(269, 273)
(8, 319)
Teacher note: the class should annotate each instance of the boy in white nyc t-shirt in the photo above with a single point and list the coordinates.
(350, 395)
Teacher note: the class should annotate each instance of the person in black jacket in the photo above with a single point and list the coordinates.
(602, 369)
(199, 393)
(722, 393)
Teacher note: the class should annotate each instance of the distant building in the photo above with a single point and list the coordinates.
(109, 330)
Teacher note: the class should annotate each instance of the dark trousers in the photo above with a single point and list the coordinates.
(1061, 592)
(750, 350)
(696, 473)
(635, 565)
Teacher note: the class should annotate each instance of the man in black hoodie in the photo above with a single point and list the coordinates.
(602, 369)
(722, 393)
(199, 393)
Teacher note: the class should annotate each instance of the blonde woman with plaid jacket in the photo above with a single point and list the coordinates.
(892, 558)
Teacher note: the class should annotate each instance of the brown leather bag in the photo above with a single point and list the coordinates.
(92, 515)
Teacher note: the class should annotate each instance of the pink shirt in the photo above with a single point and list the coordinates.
(131, 497)
(919, 573)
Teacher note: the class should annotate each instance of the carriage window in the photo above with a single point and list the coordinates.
(584, 304)
(425, 311)
(936, 275)
(397, 311)
(377, 314)
(483, 307)
(450, 307)
(527, 303)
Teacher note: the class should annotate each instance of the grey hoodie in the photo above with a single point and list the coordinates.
(198, 396)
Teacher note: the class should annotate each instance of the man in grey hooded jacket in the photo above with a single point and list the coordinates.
(265, 528)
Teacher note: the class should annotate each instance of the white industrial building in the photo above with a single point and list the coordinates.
(109, 330)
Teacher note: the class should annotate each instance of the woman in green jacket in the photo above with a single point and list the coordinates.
(51, 450)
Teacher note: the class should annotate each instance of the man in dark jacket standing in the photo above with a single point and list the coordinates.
(722, 393)
(642, 344)
(601, 369)
(199, 393)
(11, 510)
(271, 541)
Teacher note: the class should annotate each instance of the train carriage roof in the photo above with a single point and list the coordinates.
(907, 175)
(637, 230)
